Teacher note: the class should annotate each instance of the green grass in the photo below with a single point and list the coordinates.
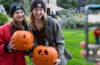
(28, 61)
(73, 37)
(91, 37)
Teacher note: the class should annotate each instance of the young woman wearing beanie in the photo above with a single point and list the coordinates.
(46, 28)
(8, 54)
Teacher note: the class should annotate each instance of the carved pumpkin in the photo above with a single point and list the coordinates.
(43, 55)
(23, 40)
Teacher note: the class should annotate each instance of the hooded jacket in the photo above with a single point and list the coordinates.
(54, 36)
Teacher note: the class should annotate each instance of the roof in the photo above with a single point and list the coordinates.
(92, 6)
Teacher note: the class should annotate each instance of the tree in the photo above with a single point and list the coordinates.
(67, 3)
(74, 3)
(7, 4)
(26, 5)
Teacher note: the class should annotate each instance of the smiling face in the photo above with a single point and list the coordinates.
(38, 12)
(43, 55)
(19, 15)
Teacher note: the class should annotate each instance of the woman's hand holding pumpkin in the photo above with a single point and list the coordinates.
(32, 61)
(11, 45)
(58, 61)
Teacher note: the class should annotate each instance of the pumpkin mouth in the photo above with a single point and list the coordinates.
(25, 42)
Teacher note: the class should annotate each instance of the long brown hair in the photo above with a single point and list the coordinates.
(32, 21)
(14, 26)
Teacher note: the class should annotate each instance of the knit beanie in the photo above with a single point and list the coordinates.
(37, 3)
(15, 7)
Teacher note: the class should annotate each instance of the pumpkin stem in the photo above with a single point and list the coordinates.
(46, 42)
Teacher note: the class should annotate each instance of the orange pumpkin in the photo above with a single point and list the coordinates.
(23, 40)
(43, 55)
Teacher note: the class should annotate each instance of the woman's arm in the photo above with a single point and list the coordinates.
(59, 39)
(3, 46)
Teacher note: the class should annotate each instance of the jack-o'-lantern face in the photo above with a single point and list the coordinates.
(23, 40)
(43, 55)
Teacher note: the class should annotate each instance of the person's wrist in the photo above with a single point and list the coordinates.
(9, 48)
(5, 48)
(60, 60)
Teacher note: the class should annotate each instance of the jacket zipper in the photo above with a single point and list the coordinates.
(15, 58)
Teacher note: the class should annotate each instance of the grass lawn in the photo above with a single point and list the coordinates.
(91, 37)
(73, 37)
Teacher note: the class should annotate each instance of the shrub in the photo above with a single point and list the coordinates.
(71, 20)
(3, 18)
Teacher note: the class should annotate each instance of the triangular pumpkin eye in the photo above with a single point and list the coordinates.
(31, 37)
(24, 36)
(39, 51)
(46, 52)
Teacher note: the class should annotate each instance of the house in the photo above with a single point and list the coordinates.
(52, 6)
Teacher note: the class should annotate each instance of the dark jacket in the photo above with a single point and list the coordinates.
(96, 34)
(54, 36)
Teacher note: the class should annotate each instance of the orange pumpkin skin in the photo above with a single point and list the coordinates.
(43, 55)
(23, 40)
